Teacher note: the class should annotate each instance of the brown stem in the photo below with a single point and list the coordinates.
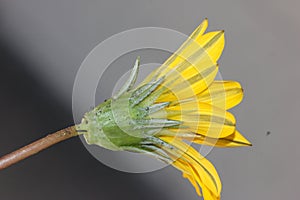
(37, 146)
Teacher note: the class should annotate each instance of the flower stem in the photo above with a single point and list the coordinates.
(37, 146)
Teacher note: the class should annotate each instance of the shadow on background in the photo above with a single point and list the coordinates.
(65, 171)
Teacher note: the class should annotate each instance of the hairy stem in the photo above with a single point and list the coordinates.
(37, 146)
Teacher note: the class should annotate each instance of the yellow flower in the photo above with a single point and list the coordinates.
(178, 103)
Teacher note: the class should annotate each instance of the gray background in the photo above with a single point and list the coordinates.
(43, 44)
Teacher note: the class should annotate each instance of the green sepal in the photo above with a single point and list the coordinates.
(124, 120)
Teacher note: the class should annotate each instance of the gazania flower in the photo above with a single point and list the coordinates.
(177, 104)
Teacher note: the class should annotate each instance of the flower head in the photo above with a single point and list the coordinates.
(177, 104)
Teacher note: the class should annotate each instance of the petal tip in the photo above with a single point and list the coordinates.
(246, 142)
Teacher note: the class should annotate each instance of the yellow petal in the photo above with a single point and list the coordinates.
(208, 195)
(192, 181)
(174, 59)
(213, 43)
(192, 68)
(189, 83)
(234, 140)
(210, 44)
(222, 94)
(202, 118)
(188, 47)
(192, 163)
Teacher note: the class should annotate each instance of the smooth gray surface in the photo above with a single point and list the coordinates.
(262, 51)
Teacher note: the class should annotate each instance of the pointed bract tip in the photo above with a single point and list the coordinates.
(138, 60)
